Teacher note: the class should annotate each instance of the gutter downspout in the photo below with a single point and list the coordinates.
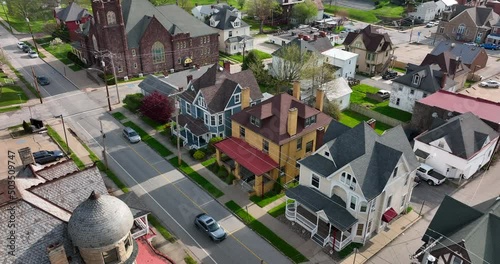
(369, 208)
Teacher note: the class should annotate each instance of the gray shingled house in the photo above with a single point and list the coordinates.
(353, 186)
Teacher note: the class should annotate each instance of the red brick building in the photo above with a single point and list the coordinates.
(145, 39)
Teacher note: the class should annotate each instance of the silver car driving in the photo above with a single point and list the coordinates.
(208, 225)
(131, 135)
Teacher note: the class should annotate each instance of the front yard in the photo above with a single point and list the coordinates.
(44, 18)
(60, 51)
(239, 57)
(11, 95)
(351, 119)
(384, 9)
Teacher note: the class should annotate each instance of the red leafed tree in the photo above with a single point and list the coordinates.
(157, 107)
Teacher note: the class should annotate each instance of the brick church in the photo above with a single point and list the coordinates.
(145, 39)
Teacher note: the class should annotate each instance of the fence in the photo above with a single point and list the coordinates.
(375, 115)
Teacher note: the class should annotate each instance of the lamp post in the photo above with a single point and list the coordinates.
(32, 36)
(6, 15)
(105, 82)
(65, 135)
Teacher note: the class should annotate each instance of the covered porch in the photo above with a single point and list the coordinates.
(255, 170)
(325, 217)
(192, 132)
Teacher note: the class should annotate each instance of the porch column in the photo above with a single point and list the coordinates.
(237, 170)
(259, 185)
(218, 156)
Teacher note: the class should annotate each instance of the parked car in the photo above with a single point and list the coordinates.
(42, 80)
(471, 44)
(490, 46)
(431, 24)
(389, 75)
(427, 174)
(45, 156)
(207, 224)
(20, 44)
(26, 48)
(490, 84)
(384, 94)
(33, 54)
(131, 135)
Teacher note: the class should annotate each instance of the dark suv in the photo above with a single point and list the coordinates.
(389, 75)
(44, 156)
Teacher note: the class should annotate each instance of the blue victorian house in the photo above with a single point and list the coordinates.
(208, 103)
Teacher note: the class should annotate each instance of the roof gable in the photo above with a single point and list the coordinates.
(371, 39)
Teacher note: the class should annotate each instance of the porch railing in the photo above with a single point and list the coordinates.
(304, 222)
(142, 229)
(339, 245)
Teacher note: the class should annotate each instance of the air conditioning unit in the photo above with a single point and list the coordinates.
(172, 70)
(125, 78)
(141, 75)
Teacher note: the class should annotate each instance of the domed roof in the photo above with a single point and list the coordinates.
(99, 221)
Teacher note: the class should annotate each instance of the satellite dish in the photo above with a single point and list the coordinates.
(450, 114)
(434, 115)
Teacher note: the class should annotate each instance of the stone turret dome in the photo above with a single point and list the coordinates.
(99, 221)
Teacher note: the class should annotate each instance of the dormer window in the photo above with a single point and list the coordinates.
(237, 98)
(255, 121)
(348, 180)
(201, 102)
(236, 24)
(212, 23)
(416, 79)
(310, 120)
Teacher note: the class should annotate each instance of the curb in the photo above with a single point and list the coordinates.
(61, 73)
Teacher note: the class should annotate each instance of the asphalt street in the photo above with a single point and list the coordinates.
(172, 197)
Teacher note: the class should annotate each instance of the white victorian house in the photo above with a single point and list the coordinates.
(353, 185)
(458, 147)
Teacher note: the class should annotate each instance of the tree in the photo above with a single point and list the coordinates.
(332, 109)
(24, 8)
(241, 3)
(186, 5)
(290, 62)
(263, 9)
(305, 11)
(251, 57)
(157, 107)
(317, 71)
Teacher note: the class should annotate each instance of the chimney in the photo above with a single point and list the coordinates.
(296, 90)
(293, 115)
(320, 134)
(245, 97)
(227, 66)
(443, 80)
(320, 97)
(372, 122)
(189, 78)
(57, 254)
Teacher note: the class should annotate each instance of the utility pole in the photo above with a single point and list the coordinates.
(114, 74)
(103, 64)
(427, 250)
(68, 151)
(36, 85)
(104, 156)
(32, 36)
(177, 127)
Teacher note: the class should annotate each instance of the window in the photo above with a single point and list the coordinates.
(310, 120)
(353, 202)
(461, 29)
(265, 146)
(111, 18)
(441, 144)
(230, 33)
(110, 256)
(158, 51)
(397, 101)
(309, 146)
(212, 23)
(370, 56)
(387, 53)
(135, 65)
(343, 177)
(400, 88)
(362, 207)
(395, 172)
(441, 30)
(133, 52)
(206, 118)
(403, 200)
(369, 227)
(236, 24)
(282, 170)
(201, 102)
(237, 98)
(120, 68)
(416, 79)
(212, 120)
(359, 232)
(412, 91)
(242, 132)
(456, 260)
(372, 207)
(389, 200)
(299, 143)
(188, 108)
(255, 121)
(315, 181)
(221, 120)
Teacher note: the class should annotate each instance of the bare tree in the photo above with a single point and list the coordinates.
(263, 9)
(317, 71)
(290, 62)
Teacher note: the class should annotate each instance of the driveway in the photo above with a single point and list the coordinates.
(259, 43)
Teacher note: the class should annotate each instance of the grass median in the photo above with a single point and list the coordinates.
(267, 233)
(149, 140)
(55, 136)
(195, 176)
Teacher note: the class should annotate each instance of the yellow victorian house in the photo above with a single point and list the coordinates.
(270, 137)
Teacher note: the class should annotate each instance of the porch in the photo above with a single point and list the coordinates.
(192, 132)
(328, 225)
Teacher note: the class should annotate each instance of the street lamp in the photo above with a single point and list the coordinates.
(105, 82)
(6, 15)
(32, 36)
(65, 136)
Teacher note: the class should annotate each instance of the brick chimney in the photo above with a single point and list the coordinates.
(296, 90)
(57, 254)
(245, 97)
(227, 66)
(372, 122)
(443, 80)
(320, 98)
(189, 78)
(320, 134)
(293, 115)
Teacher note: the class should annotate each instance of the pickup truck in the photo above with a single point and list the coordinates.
(427, 173)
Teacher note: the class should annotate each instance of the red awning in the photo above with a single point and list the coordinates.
(389, 215)
(249, 157)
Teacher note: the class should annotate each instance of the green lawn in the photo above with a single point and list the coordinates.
(371, 16)
(255, 25)
(266, 199)
(12, 94)
(37, 25)
(278, 210)
(60, 51)
(351, 119)
(149, 140)
(9, 109)
(399, 69)
(267, 233)
(358, 96)
(204, 183)
(239, 57)
(57, 138)
(163, 231)
(157, 126)
(118, 116)
(209, 162)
